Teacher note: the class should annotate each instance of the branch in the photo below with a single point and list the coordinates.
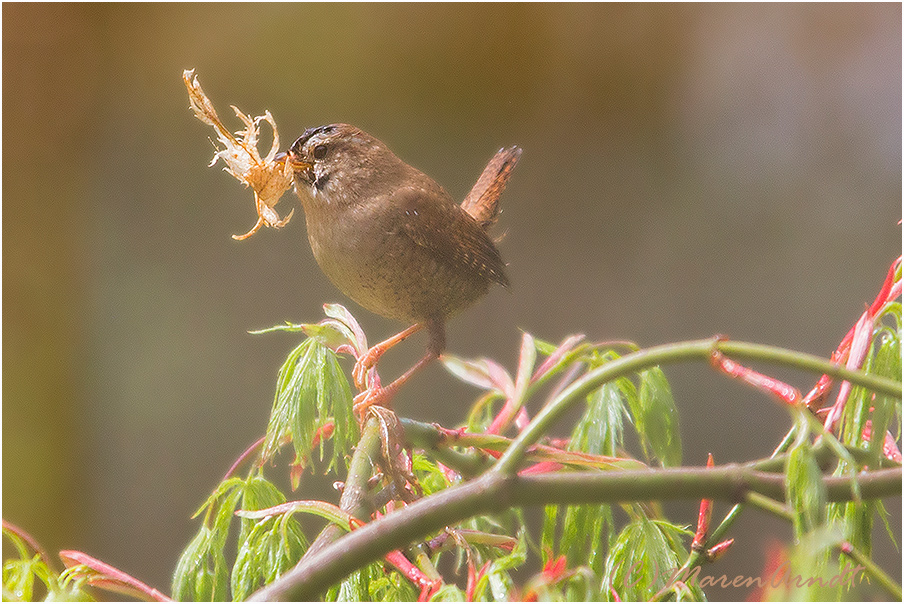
(672, 353)
(354, 498)
(495, 492)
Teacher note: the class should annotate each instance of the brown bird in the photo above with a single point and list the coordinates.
(395, 241)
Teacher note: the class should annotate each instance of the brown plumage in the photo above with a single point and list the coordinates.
(391, 238)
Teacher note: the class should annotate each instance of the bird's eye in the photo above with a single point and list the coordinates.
(319, 151)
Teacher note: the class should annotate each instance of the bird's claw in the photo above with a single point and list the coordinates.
(368, 398)
(363, 366)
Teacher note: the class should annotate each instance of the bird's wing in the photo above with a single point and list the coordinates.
(448, 233)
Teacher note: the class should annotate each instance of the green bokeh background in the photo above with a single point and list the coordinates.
(688, 170)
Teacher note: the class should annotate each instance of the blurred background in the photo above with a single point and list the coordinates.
(687, 170)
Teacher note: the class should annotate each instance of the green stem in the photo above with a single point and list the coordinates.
(696, 558)
(672, 353)
(430, 438)
(767, 504)
(882, 578)
(496, 492)
(438, 441)
(786, 442)
(354, 498)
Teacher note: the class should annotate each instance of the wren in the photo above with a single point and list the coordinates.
(393, 240)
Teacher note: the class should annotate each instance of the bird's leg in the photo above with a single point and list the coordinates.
(383, 395)
(369, 359)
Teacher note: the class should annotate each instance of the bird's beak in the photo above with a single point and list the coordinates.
(286, 156)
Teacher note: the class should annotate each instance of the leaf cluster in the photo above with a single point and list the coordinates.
(250, 539)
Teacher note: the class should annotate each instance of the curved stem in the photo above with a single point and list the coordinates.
(671, 353)
(882, 578)
(495, 492)
(354, 498)
(500, 488)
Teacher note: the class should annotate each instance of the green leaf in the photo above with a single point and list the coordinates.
(20, 576)
(266, 547)
(600, 430)
(390, 587)
(583, 530)
(545, 348)
(350, 325)
(449, 593)
(481, 413)
(311, 391)
(372, 584)
(222, 490)
(581, 541)
(429, 476)
(483, 373)
(332, 334)
(19, 579)
(225, 514)
(893, 310)
(582, 586)
(339, 331)
(805, 489)
(271, 547)
(856, 410)
(526, 361)
(858, 524)
(290, 327)
(258, 493)
(354, 587)
(656, 418)
(643, 559)
(548, 534)
(883, 516)
(497, 579)
(887, 364)
(202, 572)
(809, 563)
(337, 401)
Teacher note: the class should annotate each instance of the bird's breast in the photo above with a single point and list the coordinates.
(371, 260)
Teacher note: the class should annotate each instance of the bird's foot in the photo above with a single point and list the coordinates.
(364, 365)
(368, 361)
(363, 401)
